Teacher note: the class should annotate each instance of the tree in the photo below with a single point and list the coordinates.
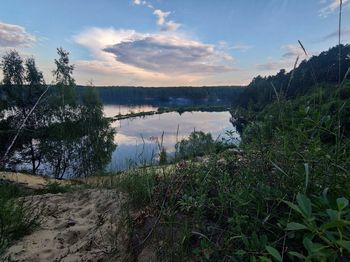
(197, 144)
(66, 133)
(12, 69)
(12, 96)
(64, 71)
(61, 135)
(35, 87)
(23, 85)
(33, 76)
(96, 137)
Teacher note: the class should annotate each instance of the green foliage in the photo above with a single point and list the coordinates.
(322, 226)
(18, 216)
(8, 191)
(12, 67)
(67, 133)
(64, 70)
(138, 184)
(163, 157)
(55, 188)
(194, 97)
(234, 206)
(318, 69)
(197, 144)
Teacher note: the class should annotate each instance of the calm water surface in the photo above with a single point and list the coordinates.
(138, 138)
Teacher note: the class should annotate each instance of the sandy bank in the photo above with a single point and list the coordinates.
(85, 225)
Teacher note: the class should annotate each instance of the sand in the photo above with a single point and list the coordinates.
(30, 181)
(84, 225)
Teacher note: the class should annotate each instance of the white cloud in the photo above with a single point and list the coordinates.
(170, 26)
(241, 47)
(150, 59)
(292, 51)
(345, 35)
(286, 61)
(160, 16)
(169, 54)
(161, 21)
(331, 6)
(15, 36)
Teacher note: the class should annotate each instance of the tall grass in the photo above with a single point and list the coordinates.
(18, 215)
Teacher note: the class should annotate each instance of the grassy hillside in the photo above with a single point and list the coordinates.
(282, 196)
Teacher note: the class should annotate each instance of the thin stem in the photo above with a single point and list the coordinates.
(339, 39)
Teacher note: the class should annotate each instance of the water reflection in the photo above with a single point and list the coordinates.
(113, 110)
(137, 138)
(62, 137)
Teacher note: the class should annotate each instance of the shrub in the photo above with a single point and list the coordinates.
(198, 144)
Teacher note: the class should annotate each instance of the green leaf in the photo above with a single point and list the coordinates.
(333, 214)
(295, 226)
(240, 252)
(293, 206)
(304, 204)
(344, 244)
(342, 203)
(245, 241)
(296, 254)
(313, 248)
(333, 223)
(307, 244)
(273, 252)
(264, 259)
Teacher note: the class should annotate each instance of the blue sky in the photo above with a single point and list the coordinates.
(170, 42)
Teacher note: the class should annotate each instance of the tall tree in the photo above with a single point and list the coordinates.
(64, 70)
(59, 143)
(35, 87)
(12, 68)
(33, 76)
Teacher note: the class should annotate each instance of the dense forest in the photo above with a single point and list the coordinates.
(220, 95)
(325, 68)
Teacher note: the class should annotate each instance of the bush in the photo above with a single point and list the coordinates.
(198, 144)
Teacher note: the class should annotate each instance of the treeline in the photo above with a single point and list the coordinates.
(320, 69)
(50, 129)
(160, 95)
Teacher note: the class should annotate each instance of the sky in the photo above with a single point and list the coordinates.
(170, 42)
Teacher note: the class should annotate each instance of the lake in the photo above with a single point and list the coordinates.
(138, 138)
